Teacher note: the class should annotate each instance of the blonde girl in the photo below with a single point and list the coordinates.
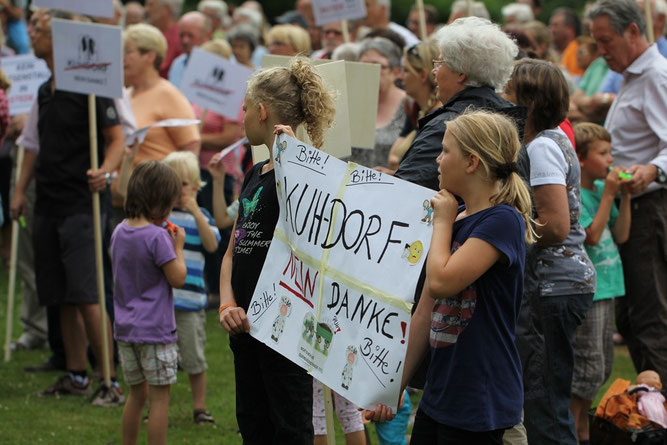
(274, 396)
(474, 284)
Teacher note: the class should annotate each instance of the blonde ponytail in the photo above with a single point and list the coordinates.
(494, 139)
(296, 95)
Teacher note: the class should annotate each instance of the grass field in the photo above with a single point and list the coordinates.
(26, 419)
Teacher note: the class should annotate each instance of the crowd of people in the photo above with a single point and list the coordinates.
(546, 149)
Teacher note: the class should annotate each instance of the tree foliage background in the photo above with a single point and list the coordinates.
(401, 8)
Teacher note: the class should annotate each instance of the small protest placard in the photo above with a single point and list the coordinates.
(87, 58)
(336, 289)
(330, 11)
(140, 134)
(215, 83)
(27, 73)
(95, 8)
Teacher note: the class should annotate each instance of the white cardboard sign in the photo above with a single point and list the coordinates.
(95, 8)
(87, 58)
(27, 73)
(140, 134)
(335, 293)
(330, 11)
(215, 83)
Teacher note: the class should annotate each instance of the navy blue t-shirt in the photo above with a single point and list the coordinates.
(474, 379)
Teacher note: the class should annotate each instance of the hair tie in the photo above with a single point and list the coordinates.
(503, 171)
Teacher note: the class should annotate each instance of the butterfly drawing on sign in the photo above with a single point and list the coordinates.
(281, 147)
(250, 206)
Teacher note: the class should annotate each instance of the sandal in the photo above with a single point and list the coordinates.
(202, 416)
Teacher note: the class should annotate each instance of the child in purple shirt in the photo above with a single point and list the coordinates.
(147, 262)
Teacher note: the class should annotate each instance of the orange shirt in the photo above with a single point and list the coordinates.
(569, 59)
(163, 101)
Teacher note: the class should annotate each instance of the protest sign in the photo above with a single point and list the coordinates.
(87, 58)
(95, 8)
(360, 89)
(330, 11)
(215, 83)
(27, 73)
(140, 134)
(335, 293)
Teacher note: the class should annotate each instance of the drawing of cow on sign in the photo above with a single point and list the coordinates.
(284, 310)
(87, 50)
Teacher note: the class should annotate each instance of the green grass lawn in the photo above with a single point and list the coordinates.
(26, 419)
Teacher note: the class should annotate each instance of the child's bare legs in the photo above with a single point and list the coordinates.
(198, 388)
(158, 415)
(579, 408)
(132, 412)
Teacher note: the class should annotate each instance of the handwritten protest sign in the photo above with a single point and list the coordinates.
(215, 83)
(95, 8)
(27, 73)
(334, 295)
(330, 11)
(87, 58)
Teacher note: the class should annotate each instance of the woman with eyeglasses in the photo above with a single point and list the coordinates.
(391, 101)
(420, 85)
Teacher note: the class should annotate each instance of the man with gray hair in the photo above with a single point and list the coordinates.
(636, 122)
(163, 14)
(194, 29)
(460, 8)
(377, 17)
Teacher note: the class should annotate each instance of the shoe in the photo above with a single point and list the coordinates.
(203, 416)
(106, 397)
(47, 366)
(65, 386)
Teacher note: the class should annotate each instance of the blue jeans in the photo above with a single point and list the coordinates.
(548, 359)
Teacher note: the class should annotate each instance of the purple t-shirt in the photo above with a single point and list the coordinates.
(143, 301)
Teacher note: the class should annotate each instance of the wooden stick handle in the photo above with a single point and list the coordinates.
(13, 256)
(346, 31)
(97, 224)
(328, 413)
(422, 19)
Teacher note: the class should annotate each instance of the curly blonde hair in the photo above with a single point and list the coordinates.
(494, 139)
(297, 95)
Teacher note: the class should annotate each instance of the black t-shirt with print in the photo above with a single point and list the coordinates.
(255, 223)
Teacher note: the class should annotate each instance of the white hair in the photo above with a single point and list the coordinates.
(254, 17)
(478, 9)
(386, 3)
(218, 6)
(176, 7)
(479, 49)
(520, 11)
(346, 51)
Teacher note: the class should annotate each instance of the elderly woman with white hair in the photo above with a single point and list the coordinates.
(470, 395)
(391, 101)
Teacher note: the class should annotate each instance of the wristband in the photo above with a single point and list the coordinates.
(225, 306)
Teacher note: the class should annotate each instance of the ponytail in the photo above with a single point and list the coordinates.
(296, 95)
(494, 139)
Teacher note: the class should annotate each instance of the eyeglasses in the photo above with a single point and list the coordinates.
(437, 63)
(332, 31)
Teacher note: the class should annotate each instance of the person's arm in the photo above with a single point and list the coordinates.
(17, 205)
(621, 228)
(175, 270)
(115, 140)
(193, 146)
(448, 274)
(601, 219)
(13, 12)
(232, 318)
(216, 168)
(553, 214)
(206, 234)
(129, 153)
(217, 141)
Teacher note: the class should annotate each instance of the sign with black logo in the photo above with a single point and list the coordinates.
(215, 83)
(87, 58)
(95, 8)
